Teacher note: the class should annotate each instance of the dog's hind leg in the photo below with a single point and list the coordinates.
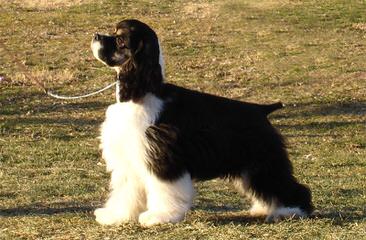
(291, 200)
(167, 201)
(277, 193)
(126, 201)
(274, 190)
(259, 207)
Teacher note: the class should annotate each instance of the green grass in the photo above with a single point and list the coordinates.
(308, 54)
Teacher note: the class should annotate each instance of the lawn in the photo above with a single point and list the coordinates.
(311, 55)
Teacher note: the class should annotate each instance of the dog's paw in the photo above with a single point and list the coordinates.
(259, 209)
(149, 218)
(283, 213)
(106, 216)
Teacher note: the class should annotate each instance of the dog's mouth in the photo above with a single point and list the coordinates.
(104, 50)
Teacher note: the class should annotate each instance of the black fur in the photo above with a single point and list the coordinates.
(205, 135)
(210, 136)
(142, 72)
(137, 47)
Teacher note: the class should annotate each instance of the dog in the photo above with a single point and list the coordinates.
(158, 138)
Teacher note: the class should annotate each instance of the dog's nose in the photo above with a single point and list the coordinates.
(97, 37)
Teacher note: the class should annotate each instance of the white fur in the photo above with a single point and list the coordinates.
(123, 142)
(134, 189)
(273, 210)
(95, 47)
(167, 202)
(259, 208)
(161, 61)
(285, 212)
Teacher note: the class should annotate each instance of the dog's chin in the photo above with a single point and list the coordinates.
(97, 50)
(114, 64)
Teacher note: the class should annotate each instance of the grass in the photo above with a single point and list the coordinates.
(308, 54)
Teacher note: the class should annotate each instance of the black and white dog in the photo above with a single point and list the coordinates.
(159, 137)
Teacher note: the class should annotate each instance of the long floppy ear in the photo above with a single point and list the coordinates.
(141, 74)
(139, 48)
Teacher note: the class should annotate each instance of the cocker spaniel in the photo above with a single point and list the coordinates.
(158, 138)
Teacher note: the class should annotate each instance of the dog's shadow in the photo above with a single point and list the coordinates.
(224, 215)
(221, 215)
(225, 218)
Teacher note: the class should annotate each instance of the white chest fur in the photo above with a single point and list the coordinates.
(123, 137)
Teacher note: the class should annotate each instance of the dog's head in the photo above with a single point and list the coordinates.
(133, 50)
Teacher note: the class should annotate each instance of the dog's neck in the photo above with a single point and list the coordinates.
(134, 87)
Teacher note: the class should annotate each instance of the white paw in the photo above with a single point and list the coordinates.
(106, 216)
(149, 218)
(259, 209)
(285, 213)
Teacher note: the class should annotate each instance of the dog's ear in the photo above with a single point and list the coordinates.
(140, 47)
(141, 74)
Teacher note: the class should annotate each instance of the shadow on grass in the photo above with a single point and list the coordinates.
(221, 215)
(22, 101)
(329, 125)
(88, 126)
(236, 218)
(311, 109)
(337, 218)
(59, 121)
(340, 217)
(42, 209)
(217, 215)
(23, 108)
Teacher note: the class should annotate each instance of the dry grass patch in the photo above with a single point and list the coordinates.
(270, 4)
(45, 4)
(359, 26)
(43, 76)
(200, 10)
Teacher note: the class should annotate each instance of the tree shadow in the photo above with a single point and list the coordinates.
(72, 106)
(222, 215)
(329, 125)
(337, 218)
(311, 109)
(44, 209)
(23, 108)
(22, 101)
(340, 217)
(215, 215)
(240, 218)
(59, 121)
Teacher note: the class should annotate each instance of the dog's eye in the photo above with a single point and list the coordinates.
(120, 42)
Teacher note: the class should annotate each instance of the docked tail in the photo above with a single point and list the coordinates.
(267, 109)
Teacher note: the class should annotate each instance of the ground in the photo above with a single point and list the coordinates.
(308, 54)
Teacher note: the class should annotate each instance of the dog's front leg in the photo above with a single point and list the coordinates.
(126, 201)
(167, 201)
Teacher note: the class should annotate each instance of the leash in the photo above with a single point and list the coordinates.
(51, 94)
(43, 87)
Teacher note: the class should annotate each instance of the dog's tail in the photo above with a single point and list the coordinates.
(267, 109)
